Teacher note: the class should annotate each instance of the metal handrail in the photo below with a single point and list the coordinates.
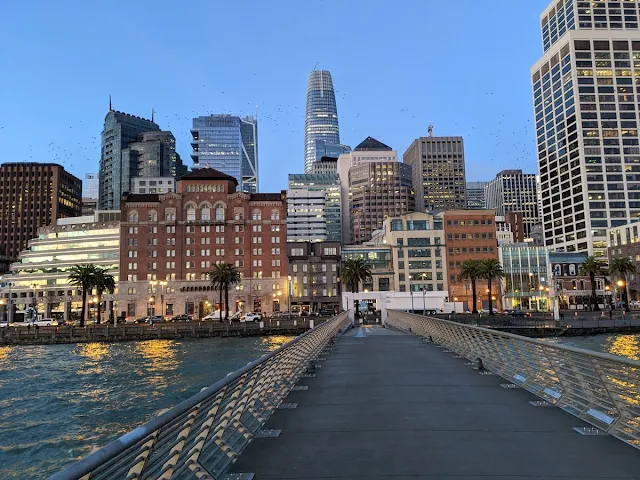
(204, 434)
(599, 388)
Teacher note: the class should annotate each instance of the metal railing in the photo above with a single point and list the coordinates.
(202, 436)
(601, 389)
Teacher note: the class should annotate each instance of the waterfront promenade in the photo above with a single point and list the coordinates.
(386, 404)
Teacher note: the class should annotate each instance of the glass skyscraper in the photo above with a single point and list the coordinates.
(229, 144)
(321, 132)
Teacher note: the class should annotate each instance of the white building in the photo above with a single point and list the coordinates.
(153, 184)
(313, 208)
(514, 191)
(586, 122)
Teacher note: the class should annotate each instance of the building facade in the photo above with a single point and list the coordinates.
(624, 241)
(120, 129)
(33, 195)
(229, 144)
(91, 185)
(417, 242)
(321, 119)
(573, 291)
(470, 235)
(475, 196)
(39, 279)
(325, 165)
(154, 155)
(586, 122)
(527, 284)
(153, 185)
(314, 208)
(509, 228)
(377, 190)
(514, 191)
(380, 259)
(438, 173)
(178, 238)
(314, 269)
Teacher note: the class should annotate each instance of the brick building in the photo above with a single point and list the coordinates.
(34, 195)
(178, 237)
(469, 234)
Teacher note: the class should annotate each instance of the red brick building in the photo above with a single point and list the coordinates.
(170, 242)
(470, 234)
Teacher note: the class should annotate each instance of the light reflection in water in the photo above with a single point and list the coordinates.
(275, 342)
(4, 353)
(93, 351)
(624, 345)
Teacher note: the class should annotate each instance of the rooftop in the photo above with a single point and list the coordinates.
(370, 144)
(208, 173)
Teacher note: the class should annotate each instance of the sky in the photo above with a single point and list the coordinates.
(396, 66)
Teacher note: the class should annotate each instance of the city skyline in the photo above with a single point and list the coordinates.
(383, 106)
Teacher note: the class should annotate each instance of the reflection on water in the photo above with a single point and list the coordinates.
(60, 402)
(616, 344)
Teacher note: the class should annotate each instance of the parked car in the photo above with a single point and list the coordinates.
(142, 320)
(44, 322)
(4, 324)
(215, 316)
(181, 318)
(251, 317)
(518, 313)
(156, 319)
(326, 312)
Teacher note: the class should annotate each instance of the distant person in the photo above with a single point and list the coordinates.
(610, 314)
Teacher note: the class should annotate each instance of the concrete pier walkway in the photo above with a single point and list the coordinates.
(388, 405)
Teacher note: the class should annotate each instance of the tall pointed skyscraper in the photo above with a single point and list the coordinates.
(321, 132)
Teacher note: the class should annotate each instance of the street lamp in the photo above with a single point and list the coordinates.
(35, 305)
(152, 310)
(620, 284)
(424, 301)
(289, 289)
(4, 302)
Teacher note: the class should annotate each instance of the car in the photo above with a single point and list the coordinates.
(215, 316)
(156, 319)
(181, 318)
(44, 322)
(518, 313)
(251, 317)
(142, 320)
(4, 324)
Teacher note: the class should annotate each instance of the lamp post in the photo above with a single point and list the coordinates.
(411, 291)
(4, 316)
(289, 291)
(424, 301)
(35, 305)
(620, 284)
(151, 309)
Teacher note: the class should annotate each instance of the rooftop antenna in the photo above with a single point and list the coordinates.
(152, 112)
(316, 66)
(110, 109)
(430, 129)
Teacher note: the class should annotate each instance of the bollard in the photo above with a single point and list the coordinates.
(295, 323)
(261, 325)
(477, 364)
(311, 324)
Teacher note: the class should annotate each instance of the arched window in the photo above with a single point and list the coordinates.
(191, 213)
(256, 215)
(170, 214)
(219, 213)
(133, 216)
(205, 213)
(275, 215)
(152, 216)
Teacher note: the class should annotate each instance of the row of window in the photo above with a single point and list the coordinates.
(205, 214)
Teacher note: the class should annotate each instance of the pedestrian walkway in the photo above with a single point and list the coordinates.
(388, 405)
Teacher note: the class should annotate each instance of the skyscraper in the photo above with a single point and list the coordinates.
(154, 155)
(475, 196)
(91, 185)
(586, 122)
(321, 132)
(514, 191)
(438, 172)
(229, 144)
(120, 129)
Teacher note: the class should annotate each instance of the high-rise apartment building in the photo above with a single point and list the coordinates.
(438, 173)
(475, 196)
(34, 195)
(378, 190)
(229, 144)
(120, 129)
(154, 155)
(586, 122)
(91, 185)
(321, 131)
(514, 191)
(314, 208)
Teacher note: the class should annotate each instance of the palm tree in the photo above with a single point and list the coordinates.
(593, 268)
(623, 266)
(222, 277)
(103, 282)
(83, 276)
(490, 268)
(470, 270)
(355, 270)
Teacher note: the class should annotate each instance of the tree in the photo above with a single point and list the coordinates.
(490, 268)
(103, 282)
(355, 270)
(623, 266)
(593, 268)
(83, 276)
(470, 270)
(222, 277)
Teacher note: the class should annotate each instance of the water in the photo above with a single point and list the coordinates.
(60, 402)
(623, 345)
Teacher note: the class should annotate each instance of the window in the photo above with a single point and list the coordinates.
(275, 251)
(297, 252)
(191, 213)
(275, 215)
(205, 213)
(330, 251)
(396, 225)
(190, 276)
(257, 228)
(171, 229)
(170, 215)
(275, 239)
(131, 290)
(133, 254)
(133, 266)
(220, 252)
(153, 216)
(219, 228)
(219, 240)
(219, 213)
(257, 239)
(133, 230)
(256, 215)
(275, 263)
(238, 228)
(275, 228)
(133, 217)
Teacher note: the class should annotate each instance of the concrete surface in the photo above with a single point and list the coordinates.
(386, 405)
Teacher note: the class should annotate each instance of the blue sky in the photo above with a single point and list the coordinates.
(396, 66)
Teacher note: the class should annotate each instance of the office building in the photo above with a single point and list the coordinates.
(229, 144)
(89, 206)
(91, 185)
(380, 259)
(314, 268)
(40, 277)
(369, 150)
(154, 155)
(509, 228)
(586, 122)
(438, 172)
(475, 196)
(514, 191)
(314, 208)
(377, 190)
(153, 185)
(417, 242)
(120, 129)
(33, 195)
(321, 131)
(527, 284)
(470, 235)
(179, 238)
(325, 165)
